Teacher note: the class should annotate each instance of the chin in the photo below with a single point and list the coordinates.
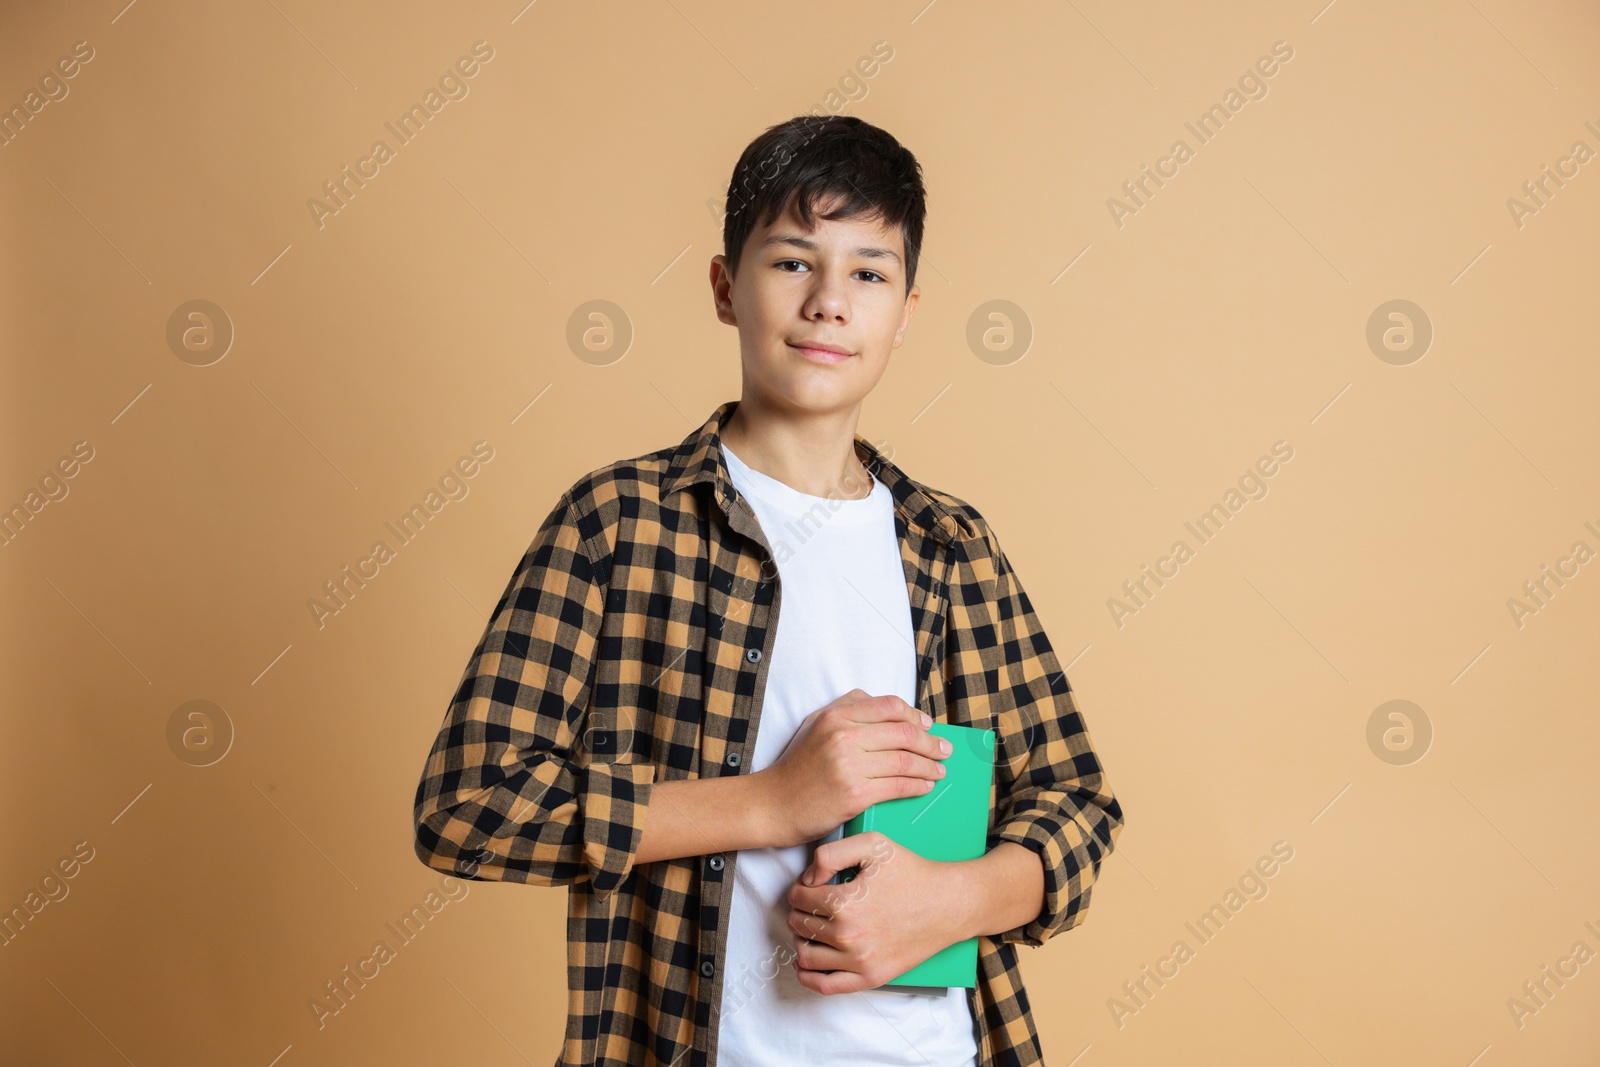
(807, 397)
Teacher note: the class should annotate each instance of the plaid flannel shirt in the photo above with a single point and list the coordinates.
(632, 646)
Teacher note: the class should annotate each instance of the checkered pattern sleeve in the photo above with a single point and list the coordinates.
(1052, 794)
(511, 791)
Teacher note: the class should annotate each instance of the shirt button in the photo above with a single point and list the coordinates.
(753, 655)
(716, 863)
(733, 759)
(707, 968)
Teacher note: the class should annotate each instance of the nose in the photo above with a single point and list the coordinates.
(828, 301)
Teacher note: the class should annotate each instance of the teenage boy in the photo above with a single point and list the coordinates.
(641, 724)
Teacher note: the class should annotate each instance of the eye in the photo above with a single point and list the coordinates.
(874, 273)
(781, 262)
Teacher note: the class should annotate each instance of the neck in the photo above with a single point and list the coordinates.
(812, 453)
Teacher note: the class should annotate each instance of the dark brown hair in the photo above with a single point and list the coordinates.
(814, 159)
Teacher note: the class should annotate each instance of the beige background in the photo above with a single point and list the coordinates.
(588, 162)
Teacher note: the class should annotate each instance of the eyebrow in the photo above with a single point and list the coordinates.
(866, 251)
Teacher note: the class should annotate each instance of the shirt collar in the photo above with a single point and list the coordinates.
(699, 458)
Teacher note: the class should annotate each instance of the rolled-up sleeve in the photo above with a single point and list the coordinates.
(1053, 796)
(512, 789)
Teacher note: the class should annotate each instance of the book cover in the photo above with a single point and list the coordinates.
(949, 822)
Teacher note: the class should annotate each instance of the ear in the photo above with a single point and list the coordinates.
(722, 289)
(905, 316)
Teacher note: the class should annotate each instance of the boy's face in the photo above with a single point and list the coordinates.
(841, 285)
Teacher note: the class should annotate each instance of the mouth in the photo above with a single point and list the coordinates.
(821, 353)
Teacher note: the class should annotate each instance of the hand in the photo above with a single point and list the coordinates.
(894, 914)
(846, 757)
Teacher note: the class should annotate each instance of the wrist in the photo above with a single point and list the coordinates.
(1000, 891)
(771, 818)
(969, 894)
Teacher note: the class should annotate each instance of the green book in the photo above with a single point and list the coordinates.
(949, 822)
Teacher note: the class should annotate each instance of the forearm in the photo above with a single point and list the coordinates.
(1002, 890)
(699, 816)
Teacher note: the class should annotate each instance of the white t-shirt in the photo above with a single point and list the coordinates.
(844, 623)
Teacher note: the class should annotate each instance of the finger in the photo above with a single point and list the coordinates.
(911, 737)
(829, 984)
(887, 708)
(907, 774)
(807, 926)
(817, 956)
(831, 857)
(823, 902)
(854, 696)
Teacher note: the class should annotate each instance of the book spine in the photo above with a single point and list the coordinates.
(859, 824)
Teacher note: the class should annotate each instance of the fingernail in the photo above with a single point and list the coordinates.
(927, 720)
(944, 746)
